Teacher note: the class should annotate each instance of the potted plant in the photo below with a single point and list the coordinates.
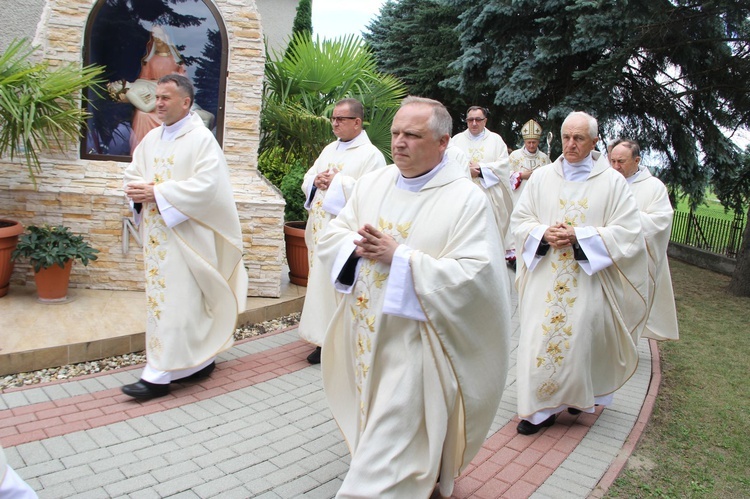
(52, 251)
(39, 108)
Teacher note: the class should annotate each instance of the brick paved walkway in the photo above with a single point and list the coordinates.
(260, 427)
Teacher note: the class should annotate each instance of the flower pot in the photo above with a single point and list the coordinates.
(52, 282)
(9, 231)
(296, 252)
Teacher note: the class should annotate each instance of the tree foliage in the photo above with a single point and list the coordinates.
(415, 40)
(303, 17)
(673, 74)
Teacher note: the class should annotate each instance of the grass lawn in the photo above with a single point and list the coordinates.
(697, 443)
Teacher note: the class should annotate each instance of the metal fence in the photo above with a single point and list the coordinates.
(718, 236)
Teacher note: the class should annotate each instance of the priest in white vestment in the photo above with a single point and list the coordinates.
(488, 163)
(328, 185)
(582, 281)
(522, 164)
(196, 282)
(656, 211)
(415, 358)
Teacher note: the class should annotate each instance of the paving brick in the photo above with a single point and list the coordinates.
(15, 399)
(84, 458)
(183, 468)
(96, 480)
(329, 471)
(216, 487)
(130, 485)
(33, 453)
(64, 476)
(519, 489)
(173, 487)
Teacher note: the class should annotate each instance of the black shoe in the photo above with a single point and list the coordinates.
(511, 263)
(143, 390)
(574, 411)
(198, 375)
(527, 428)
(314, 358)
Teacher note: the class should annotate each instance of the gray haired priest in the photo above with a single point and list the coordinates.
(582, 281)
(415, 357)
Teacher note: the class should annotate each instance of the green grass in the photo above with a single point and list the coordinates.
(696, 443)
(711, 207)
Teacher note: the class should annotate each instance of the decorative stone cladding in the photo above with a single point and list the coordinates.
(87, 195)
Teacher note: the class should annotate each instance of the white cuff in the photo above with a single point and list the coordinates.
(400, 296)
(341, 258)
(171, 215)
(488, 178)
(335, 199)
(530, 258)
(592, 244)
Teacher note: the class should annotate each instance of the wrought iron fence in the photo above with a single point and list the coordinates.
(716, 235)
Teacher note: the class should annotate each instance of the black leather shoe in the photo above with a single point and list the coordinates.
(574, 411)
(527, 428)
(314, 358)
(198, 375)
(143, 390)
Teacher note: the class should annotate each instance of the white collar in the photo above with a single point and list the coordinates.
(170, 131)
(417, 183)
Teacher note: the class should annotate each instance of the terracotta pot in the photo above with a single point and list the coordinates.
(52, 282)
(296, 252)
(9, 231)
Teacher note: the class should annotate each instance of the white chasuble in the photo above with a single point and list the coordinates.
(520, 160)
(352, 162)
(416, 398)
(578, 332)
(196, 282)
(656, 218)
(491, 153)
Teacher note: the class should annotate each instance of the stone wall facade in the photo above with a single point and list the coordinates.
(87, 195)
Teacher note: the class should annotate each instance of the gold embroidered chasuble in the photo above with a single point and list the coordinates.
(321, 300)
(416, 398)
(522, 160)
(656, 219)
(196, 282)
(491, 152)
(578, 332)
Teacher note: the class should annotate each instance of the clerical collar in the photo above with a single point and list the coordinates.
(529, 154)
(417, 183)
(170, 131)
(343, 146)
(477, 137)
(632, 178)
(577, 172)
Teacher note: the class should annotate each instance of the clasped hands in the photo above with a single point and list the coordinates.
(560, 235)
(323, 179)
(141, 193)
(375, 245)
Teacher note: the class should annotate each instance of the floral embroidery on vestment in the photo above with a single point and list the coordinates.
(155, 252)
(370, 281)
(557, 329)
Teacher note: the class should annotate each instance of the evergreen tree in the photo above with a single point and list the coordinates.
(415, 40)
(303, 18)
(672, 74)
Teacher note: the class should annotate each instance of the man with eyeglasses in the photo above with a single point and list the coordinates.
(488, 163)
(328, 185)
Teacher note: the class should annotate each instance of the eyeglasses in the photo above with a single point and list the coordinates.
(475, 120)
(334, 119)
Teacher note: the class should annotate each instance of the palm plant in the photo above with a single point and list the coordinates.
(303, 84)
(39, 105)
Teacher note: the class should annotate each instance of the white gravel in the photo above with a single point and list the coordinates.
(130, 359)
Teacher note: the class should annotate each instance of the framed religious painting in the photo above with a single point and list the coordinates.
(138, 42)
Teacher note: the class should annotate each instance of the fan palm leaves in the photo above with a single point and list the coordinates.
(39, 105)
(303, 84)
